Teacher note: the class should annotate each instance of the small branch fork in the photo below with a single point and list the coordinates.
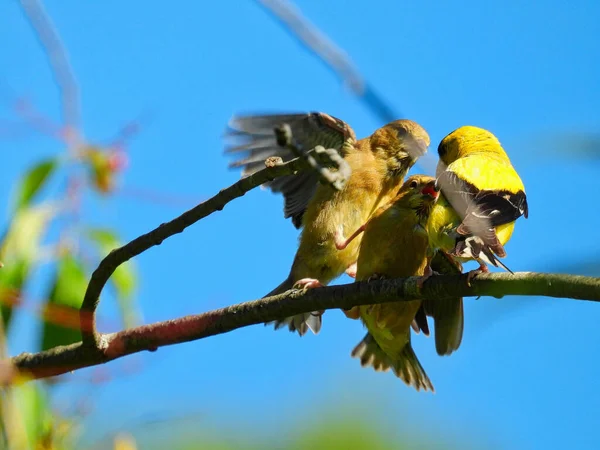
(274, 168)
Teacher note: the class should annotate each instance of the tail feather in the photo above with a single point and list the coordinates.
(449, 324)
(406, 367)
(448, 314)
(300, 323)
(371, 354)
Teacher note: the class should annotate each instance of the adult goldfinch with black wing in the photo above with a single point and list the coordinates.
(482, 198)
(379, 164)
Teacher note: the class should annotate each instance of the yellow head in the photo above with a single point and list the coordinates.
(467, 140)
(400, 143)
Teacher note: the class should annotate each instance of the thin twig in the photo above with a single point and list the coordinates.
(155, 237)
(64, 359)
(331, 55)
(59, 61)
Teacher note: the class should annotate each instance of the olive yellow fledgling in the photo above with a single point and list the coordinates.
(379, 164)
(482, 197)
(394, 245)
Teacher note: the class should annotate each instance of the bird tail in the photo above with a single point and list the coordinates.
(406, 366)
(448, 314)
(449, 321)
(300, 322)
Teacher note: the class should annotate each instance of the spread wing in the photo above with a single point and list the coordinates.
(256, 141)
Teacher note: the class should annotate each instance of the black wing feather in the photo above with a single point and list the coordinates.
(482, 210)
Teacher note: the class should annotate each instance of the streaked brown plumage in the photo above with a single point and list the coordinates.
(379, 164)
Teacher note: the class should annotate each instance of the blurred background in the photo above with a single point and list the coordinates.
(121, 130)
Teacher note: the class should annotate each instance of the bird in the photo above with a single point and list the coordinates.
(395, 244)
(378, 165)
(482, 197)
(447, 313)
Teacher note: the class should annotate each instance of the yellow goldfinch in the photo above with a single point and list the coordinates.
(379, 164)
(395, 244)
(482, 197)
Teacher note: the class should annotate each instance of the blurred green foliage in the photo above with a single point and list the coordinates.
(28, 419)
(61, 314)
(327, 429)
(32, 181)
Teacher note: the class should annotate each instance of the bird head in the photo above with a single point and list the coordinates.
(419, 192)
(467, 140)
(400, 144)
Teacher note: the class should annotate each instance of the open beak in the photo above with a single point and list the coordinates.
(431, 190)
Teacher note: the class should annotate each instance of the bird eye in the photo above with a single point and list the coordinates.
(413, 184)
(401, 132)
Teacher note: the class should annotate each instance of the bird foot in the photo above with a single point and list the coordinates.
(307, 283)
(351, 270)
(473, 273)
(426, 276)
(374, 277)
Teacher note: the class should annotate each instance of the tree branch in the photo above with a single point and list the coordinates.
(275, 168)
(58, 58)
(64, 359)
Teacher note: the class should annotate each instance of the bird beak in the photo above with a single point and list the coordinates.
(417, 148)
(431, 190)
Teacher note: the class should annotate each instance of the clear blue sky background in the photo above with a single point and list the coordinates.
(526, 374)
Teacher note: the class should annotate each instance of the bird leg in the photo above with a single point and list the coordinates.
(483, 268)
(340, 240)
(429, 272)
(351, 270)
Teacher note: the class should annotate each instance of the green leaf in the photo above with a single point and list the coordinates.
(124, 279)
(19, 248)
(23, 238)
(61, 312)
(12, 279)
(33, 180)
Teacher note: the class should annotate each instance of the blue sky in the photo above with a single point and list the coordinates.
(525, 375)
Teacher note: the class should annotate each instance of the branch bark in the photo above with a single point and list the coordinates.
(64, 359)
(100, 276)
